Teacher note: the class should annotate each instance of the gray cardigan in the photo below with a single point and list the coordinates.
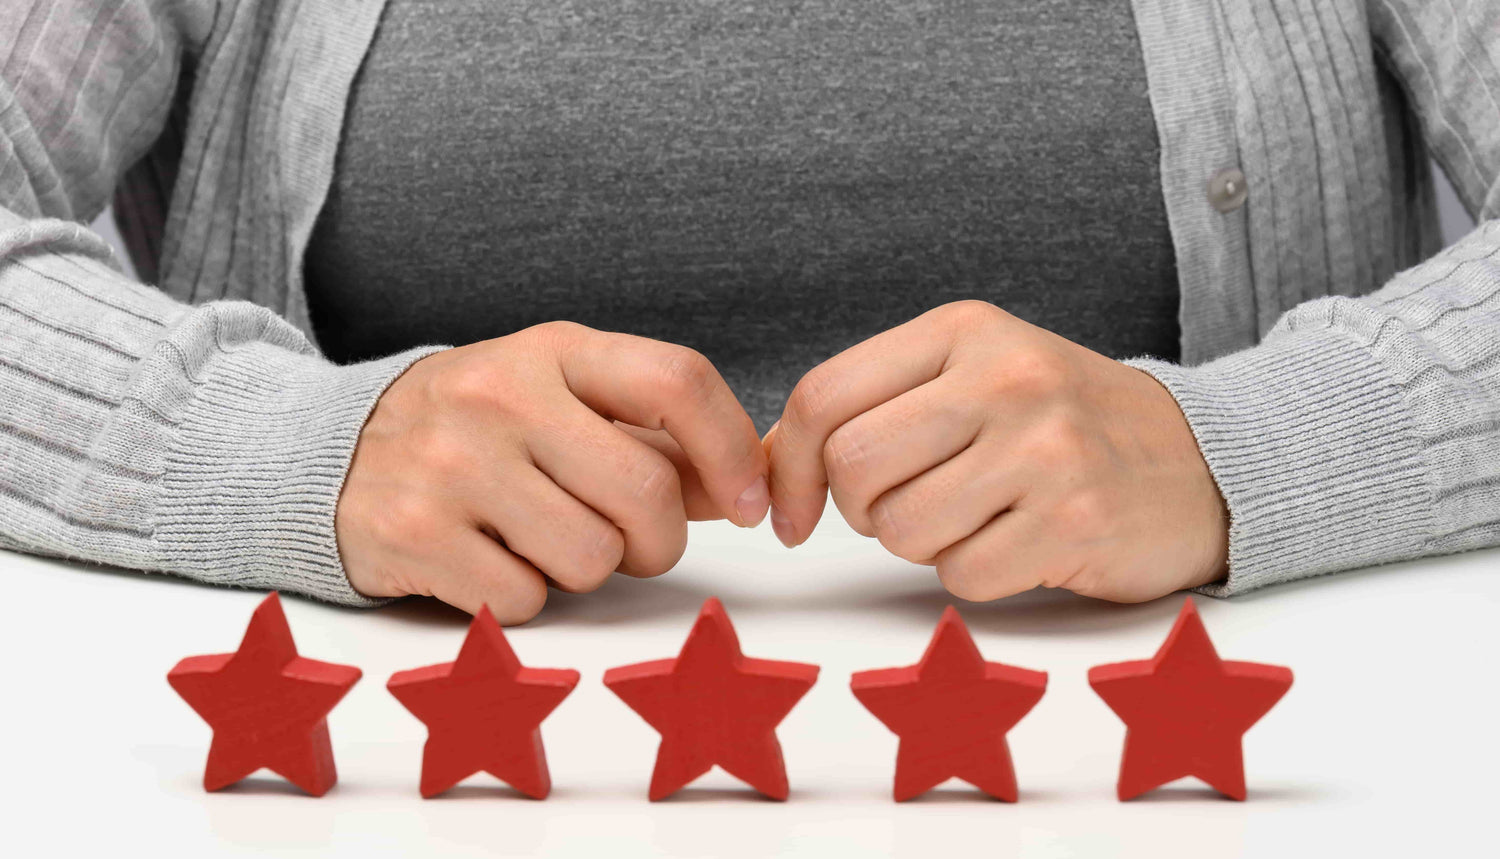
(194, 428)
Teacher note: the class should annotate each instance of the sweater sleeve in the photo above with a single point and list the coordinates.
(136, 431)
(1366, 430)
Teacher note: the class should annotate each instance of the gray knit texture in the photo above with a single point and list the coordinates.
(137, 430)
(1362, 430)
(187, 431)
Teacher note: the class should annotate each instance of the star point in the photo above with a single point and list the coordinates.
(951, 710)
(714, 706)
(483, 712)
(1185, 710)
(952, 651)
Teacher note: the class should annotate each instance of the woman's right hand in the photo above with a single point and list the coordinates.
(556, 454)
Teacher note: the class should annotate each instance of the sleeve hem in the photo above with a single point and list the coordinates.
(255, 467)
(1312, 447)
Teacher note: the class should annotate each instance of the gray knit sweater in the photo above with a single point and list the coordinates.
(194, 428)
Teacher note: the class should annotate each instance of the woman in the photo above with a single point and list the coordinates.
(768, 184)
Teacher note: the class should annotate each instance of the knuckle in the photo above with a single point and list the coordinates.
(687, 373)
(522, 605)
(810, 399)
(855, 509)
(960, 577)
(844, 455)
(973, 312)
(862, 527)
(599, 555)
(1083, 514)
(558, 330)
(444, 458)
(470, 383)
(1035, 372)
(892, 528)
(655, 483)
(1062, 444)
(659, 563)
(547, 339)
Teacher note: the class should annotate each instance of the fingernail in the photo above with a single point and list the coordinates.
(783, 528)
(753, 503)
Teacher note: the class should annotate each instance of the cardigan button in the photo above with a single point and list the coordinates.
(1227, 189)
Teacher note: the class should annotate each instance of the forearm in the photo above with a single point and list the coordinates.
(136, 431)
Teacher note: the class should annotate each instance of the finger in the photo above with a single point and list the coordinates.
(1010, 554)
(662, 386)
(561, 536)
(846, 385)
(920, 518)
(625, 480)
(895, 442)
(695, 499)
(479, 571)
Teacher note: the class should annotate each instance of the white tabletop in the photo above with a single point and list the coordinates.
(1386, 744)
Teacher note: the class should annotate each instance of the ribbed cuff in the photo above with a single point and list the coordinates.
(1314, 452)
(256, 465)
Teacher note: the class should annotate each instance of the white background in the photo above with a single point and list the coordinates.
(1385, 746)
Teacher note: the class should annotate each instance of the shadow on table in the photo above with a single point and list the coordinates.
(425, 611)
(913, 594)
(962, 794)
(1037, 612)
(1201, 793)
(691, 794)
(623, 599)
(489, 791)
(901, 590)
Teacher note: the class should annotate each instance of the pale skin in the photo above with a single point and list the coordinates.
(1002, 455)
(553, 456)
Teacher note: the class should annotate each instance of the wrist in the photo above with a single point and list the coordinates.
(1311, 445)
(258, 458)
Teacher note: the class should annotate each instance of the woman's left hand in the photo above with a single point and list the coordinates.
(1004, 455)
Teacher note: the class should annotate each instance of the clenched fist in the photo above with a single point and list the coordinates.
(1004, 455)
(557, 454)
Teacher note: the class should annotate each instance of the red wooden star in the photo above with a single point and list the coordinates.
(484, 712)
(951, 711)
(267, 705)
(1185, 710)
(714, 705)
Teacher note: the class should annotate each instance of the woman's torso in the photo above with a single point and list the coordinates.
(767, 182)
